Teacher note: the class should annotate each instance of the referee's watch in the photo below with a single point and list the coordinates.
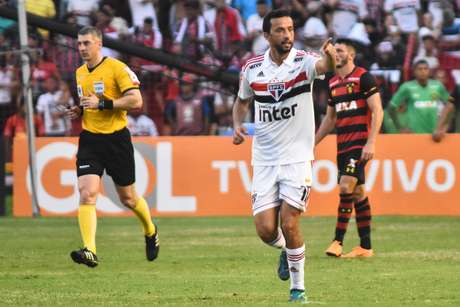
(105, 104)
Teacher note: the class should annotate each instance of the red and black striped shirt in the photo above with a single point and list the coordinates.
(348, 96)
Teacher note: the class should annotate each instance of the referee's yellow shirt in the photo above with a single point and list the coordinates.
(108, 80)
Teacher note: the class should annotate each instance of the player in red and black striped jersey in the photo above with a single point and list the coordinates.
(355, 110)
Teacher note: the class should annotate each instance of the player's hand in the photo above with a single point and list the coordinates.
(368, 152)
(239, 133)
(438, 135)
(89, 102)
(328, 48)
(73, 112)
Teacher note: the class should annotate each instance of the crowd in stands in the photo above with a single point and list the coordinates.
(390, 36)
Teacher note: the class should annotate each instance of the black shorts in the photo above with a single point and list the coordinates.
(113, 153)
(349, 164)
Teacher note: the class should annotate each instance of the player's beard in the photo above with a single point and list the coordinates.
(342, 63)
(283, 49)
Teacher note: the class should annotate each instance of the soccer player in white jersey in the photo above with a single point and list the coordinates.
(280, 83)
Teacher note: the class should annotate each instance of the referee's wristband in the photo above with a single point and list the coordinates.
(105, 105)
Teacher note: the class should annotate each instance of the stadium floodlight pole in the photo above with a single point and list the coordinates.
(27, 94)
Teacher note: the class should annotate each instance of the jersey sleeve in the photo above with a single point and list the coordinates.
(368, 85)
(310, 65)
(399, 97)
(245, 90)
(126, 78)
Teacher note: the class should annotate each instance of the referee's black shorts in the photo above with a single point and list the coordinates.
(349, 164)
(113, 153)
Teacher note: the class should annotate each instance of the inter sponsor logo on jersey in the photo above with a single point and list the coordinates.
(275, 114)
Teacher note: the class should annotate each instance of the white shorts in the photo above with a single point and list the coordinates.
(272, 184)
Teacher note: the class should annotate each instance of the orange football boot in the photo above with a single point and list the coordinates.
(335, 249)
(359, 252)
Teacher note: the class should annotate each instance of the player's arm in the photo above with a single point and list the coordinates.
(370, 91)
(131, 99)
(327, 124)
(443, 121)
(374, 103)
(240, 110)
(396, 101)
(327, 61)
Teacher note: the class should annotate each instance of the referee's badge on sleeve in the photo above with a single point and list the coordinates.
(98, 87)
(79, 91)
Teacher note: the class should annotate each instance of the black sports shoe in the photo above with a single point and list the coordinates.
(152, 245)
(283, 266)
(84, 256)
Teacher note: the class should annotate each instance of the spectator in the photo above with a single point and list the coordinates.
(83, 9)
(422, 98)
(428, 52)
(427, 27)
(227, 25)
(346, 13)
(52, 104)
(405, 12)
(140, 124)
(375, 12)
(43, 8)
(194, 33)
(8, 84)
(104, 19)
(116, 22)
(248, 8)
(42, 68)
(148, 34)
(254, 27)
(387, 57)
(16, 124)
(66, 51)
(189, 113)
(314, 30)
(141, 9)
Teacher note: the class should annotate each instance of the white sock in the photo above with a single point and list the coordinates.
(279, 242)
(296, 261)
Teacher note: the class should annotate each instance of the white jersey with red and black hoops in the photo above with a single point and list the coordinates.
(284, 117)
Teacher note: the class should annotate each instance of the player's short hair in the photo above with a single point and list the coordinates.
(267, 23)
(347, 42)
(91, 30)
(420, 62)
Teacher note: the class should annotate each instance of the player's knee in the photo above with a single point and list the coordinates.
(345, 188)
(266, 232)
(128, 201)
(289, 227)
(88, 196)
(359, 193)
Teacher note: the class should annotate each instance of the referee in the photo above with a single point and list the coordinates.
(107, 88)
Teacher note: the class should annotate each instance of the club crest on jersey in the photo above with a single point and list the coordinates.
(276, 89)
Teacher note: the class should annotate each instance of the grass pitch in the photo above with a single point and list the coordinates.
(220, 262)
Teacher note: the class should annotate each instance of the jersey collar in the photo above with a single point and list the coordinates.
(288, 61)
